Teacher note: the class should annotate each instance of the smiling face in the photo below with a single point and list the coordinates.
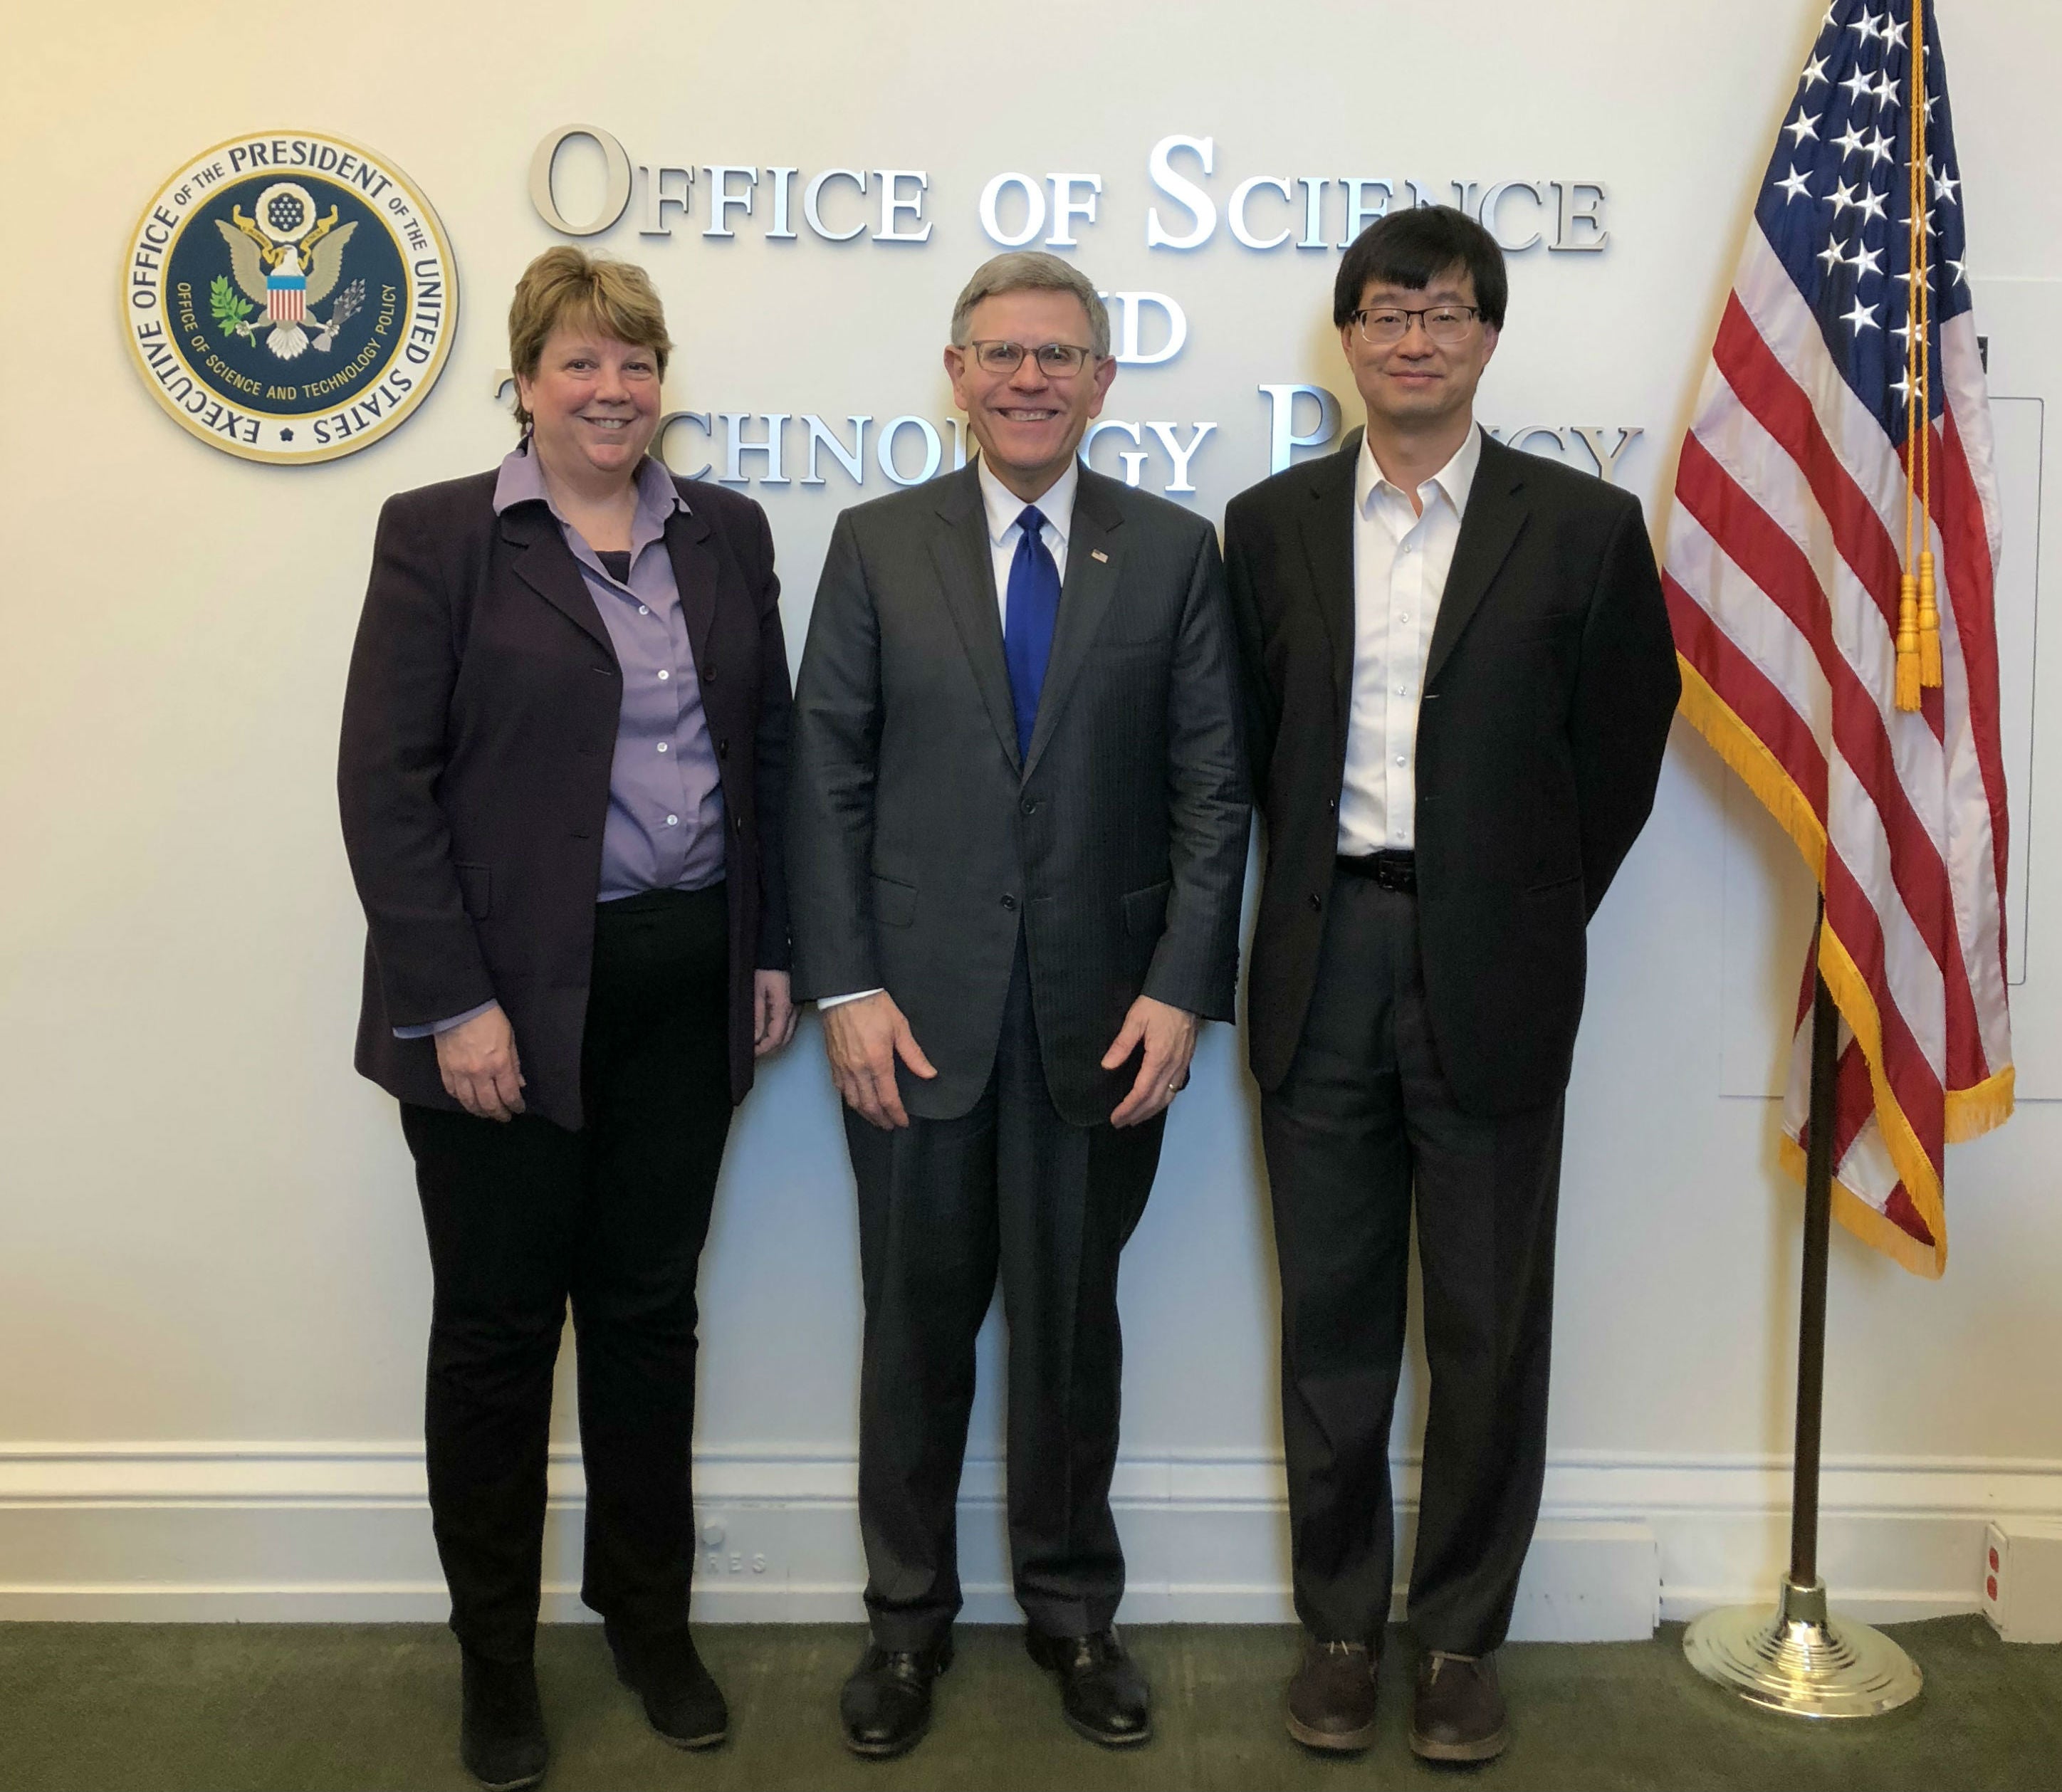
(1028, 422)
(1416, 387)
(594, 402)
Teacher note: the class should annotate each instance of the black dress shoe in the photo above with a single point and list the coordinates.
(1458, 1714)
(886, 1707)
(1331, 1700)
(501, 1735)
(682, 1703)
(1101, 1691)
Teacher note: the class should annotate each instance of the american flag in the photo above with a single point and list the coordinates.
(1786, 548)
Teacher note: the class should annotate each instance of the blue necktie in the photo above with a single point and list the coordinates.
(1027, 629)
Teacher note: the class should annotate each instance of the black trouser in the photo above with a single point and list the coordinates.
(941, 1202)
(522, 1215)
(1365, 1113)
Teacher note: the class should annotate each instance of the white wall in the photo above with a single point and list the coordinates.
(213, 1293)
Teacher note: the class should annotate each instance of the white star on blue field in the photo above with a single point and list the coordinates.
(1836, 208)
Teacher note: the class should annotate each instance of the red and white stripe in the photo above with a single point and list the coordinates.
(1782, 571)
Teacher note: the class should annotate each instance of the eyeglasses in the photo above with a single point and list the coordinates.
(1447, 325)
(1056, 360)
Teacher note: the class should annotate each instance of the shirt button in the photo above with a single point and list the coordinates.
(1400, 760)
(672, 821)
(662, 747)
(665, 674)
(642, 610)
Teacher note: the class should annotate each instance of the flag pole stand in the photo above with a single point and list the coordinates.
(1803, 1659)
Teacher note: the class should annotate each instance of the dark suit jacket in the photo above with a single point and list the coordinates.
(1549, 686)
(918, 845)
(479, 729)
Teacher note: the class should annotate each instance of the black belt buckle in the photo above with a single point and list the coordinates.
(1385, 870)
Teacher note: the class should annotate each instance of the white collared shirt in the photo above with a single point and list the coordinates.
(1400, 563)
(1003, 507)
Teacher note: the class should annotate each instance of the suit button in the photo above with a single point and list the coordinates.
(1333, 805)
(1009, 902)
(737, 823)
(1030, 805)
(1317, 902)
(723, 749)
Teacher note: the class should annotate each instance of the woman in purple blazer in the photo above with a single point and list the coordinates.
(564, 746)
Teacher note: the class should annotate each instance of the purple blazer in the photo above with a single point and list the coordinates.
(479, 721)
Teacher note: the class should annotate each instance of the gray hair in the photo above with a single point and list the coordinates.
(1032, 270)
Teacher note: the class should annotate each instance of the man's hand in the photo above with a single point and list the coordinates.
(863, 1040)
(772, 1012)
(1168, 1035)
(481, 1072)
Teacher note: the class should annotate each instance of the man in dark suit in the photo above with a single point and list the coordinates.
(1017, 836)
(1459, 681)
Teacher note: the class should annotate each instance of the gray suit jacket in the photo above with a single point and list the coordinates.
(918, 844)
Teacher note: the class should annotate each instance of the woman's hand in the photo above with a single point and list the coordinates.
(772, 1012)
(481, 1072)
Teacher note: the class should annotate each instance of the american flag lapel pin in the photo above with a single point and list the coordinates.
(1097, 554)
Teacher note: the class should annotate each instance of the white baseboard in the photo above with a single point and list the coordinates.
(341, 1534)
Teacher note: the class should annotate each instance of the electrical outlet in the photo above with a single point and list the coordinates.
(2022, 1579)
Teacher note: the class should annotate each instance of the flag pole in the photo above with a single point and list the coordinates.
(1803, 1660)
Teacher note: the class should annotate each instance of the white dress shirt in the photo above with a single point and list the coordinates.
(1400, 562)
(1003, 507)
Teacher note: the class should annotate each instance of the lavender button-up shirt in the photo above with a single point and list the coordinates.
(665, 821)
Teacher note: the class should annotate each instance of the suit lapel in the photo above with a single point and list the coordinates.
(1496, 514)
(1328, 548)
(966, 575)
(544, 563)
(1085, 596)
(696, 572)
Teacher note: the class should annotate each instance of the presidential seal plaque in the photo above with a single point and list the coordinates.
(289, 297)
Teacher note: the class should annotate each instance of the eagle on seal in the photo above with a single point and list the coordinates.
(289, 279)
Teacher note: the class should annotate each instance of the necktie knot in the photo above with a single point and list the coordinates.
(1032, 522)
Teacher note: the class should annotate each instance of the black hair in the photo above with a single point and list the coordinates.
(1413, 248)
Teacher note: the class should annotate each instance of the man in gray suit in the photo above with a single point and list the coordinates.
(1017, 842)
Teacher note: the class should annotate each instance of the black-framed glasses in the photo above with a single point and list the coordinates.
(1385, 326)
(1056, 360)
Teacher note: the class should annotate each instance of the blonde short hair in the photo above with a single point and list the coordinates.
(564, 285)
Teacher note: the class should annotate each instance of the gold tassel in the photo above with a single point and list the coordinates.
(1929, 625)
(1907, 644)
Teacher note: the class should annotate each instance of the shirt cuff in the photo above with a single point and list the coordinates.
(442, 1026)
(825, 1002)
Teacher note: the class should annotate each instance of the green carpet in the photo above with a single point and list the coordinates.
(279, 1706)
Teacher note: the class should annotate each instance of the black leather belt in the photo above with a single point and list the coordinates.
(1391, 871)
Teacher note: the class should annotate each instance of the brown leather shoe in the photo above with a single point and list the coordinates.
(1458, 1714)
(1331, 1699)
